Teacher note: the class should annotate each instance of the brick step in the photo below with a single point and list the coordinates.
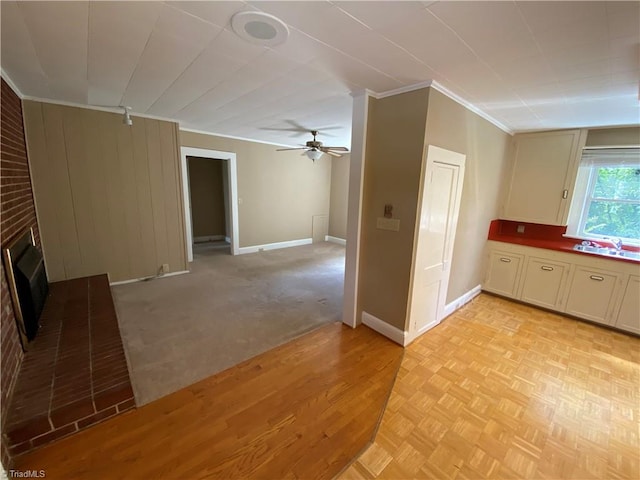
(75, 372)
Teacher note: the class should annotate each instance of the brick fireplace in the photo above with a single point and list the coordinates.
(17, 212)
(74, 373)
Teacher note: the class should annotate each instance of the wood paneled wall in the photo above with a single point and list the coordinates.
(108, 195)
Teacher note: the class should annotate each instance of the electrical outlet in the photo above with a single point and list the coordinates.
(520, 229)
(165, 268)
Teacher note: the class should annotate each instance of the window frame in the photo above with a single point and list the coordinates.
(583, 197)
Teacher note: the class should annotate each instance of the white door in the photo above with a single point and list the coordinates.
(438, 216)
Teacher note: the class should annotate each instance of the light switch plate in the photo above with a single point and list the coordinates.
(392, 224)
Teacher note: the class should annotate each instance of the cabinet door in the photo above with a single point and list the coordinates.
(504, 273)
(543, 171)
(592, 294)
(544, 283)
(629, 313)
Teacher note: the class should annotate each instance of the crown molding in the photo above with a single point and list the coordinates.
(233, 137)
(457, 98)
(10, 82)
(405, 89)
(363, 91)
(448, 93)
(114, 109)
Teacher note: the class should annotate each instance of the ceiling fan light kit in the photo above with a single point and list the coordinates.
(260, 28)
(314, 149)
(314, 154)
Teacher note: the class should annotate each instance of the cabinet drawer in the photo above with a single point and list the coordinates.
(504, 273)
(591, 294)
(544, 283)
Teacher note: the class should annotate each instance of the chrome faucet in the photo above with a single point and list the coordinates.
(616, 243)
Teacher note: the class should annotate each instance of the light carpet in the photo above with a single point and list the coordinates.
(180, 329)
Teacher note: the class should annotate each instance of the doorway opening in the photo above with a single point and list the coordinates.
(210, 189)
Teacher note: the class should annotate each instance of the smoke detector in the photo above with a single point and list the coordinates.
(260, 28)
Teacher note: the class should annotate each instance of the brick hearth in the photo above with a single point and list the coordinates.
(75, 372)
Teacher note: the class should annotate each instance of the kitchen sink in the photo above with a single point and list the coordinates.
(608, 252)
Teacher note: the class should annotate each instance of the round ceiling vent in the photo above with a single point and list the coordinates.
(260, 28)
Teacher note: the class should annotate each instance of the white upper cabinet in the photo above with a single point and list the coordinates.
(542, 176)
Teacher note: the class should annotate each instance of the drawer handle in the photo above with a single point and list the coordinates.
(546, 269)
(505, 260)
(597, 278)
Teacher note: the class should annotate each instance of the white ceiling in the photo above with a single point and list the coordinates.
(528, 65)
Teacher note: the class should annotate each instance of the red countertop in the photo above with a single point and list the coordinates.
(549, 237)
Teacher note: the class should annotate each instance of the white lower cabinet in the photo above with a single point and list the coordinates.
(592, 294)
(544, 283)
(594, 288)
(629, 312)
(503, 273)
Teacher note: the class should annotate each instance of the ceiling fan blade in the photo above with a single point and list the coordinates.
(339, 149)
(297, 148)
(329, 152)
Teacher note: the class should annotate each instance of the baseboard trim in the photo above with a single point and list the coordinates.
(338, 240)
(383, 328)
(411, 336)
(275, 246)
(461, 301)
(448, 310)
(145, 279)
(209, 238)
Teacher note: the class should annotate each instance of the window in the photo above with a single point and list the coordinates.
(606, 201)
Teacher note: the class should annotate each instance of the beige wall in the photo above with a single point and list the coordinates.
(107, 195)
(394, 150)
(207, 197)
(339, 196)
(278, 192)
(613, 136)
(452, 126)
(399, 127)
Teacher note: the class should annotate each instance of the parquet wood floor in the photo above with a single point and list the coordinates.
(302, 410)
(502, 390)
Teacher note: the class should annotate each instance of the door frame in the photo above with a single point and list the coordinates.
(454, 158)
(232, 176)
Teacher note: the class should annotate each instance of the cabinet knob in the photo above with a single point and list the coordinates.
(505, 260)
(546, 268)
(597, 278)
(565, 193)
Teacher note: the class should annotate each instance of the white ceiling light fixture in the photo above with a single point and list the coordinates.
(314, 154)
(126, 119)
(260, 28)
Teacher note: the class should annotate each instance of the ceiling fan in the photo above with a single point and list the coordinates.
(314, 149)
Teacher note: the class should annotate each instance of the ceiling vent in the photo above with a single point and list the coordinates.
(260, 28)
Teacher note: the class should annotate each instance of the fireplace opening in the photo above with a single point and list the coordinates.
(27, 280)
